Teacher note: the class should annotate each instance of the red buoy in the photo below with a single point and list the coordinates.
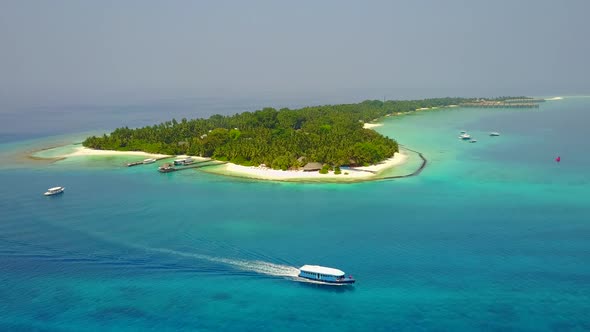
(558, 159)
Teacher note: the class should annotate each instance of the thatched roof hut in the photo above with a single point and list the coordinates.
(311, 167)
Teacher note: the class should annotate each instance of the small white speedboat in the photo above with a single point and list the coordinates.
(465, 136)
(149, 161)
(473, 141)
(494, 133)
(54, 191)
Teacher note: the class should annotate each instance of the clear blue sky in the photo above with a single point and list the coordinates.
(65, 52)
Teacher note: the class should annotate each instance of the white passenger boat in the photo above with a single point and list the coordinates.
(326, 275)
(54, 191)
(494, 133)
(465, 136)
(149, 161)
(183, 161)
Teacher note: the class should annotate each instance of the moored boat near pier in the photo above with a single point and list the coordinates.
(143, 162)
(184, 161)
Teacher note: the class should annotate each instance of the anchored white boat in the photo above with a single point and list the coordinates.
(54, 191)
(149, 161)
(494, 133)
(465, 136)
(183, 161)
(324, 274)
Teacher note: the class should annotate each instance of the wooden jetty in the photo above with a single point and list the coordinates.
(142, 162)
(193, 165)
(524, 101)
(500, 105)
(135, 163)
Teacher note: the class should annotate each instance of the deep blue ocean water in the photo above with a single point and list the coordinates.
(490, 236)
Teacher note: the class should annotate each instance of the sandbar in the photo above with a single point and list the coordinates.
(85, 152)
(72, 150)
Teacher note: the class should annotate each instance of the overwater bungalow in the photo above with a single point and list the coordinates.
(166, 168)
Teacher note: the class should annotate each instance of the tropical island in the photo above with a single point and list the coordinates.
(328, 136)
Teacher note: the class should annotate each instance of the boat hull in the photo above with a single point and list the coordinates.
(53, 193)
(345, 281)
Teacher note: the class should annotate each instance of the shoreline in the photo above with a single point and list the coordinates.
(82, 151)
(87, 152)
(371, 125)
(348, 174)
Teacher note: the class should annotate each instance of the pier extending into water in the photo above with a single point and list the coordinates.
(197, 164)
(524, 100)
(414, 173)
(505, 104)
(137, 163)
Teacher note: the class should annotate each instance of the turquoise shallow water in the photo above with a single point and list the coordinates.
(491, 236)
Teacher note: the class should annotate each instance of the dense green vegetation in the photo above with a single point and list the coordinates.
(331, 134)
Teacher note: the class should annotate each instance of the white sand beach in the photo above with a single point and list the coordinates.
(371, 125)
(85, 152)
(348, 174)
(182, 156)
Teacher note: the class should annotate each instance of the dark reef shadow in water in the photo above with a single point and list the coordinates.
(221, 296)
(119, 312)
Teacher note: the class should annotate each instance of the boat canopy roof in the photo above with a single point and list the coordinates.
(54, 188)
(321, 270)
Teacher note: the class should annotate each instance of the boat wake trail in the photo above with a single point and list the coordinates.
(258, 263)
(256, 266)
